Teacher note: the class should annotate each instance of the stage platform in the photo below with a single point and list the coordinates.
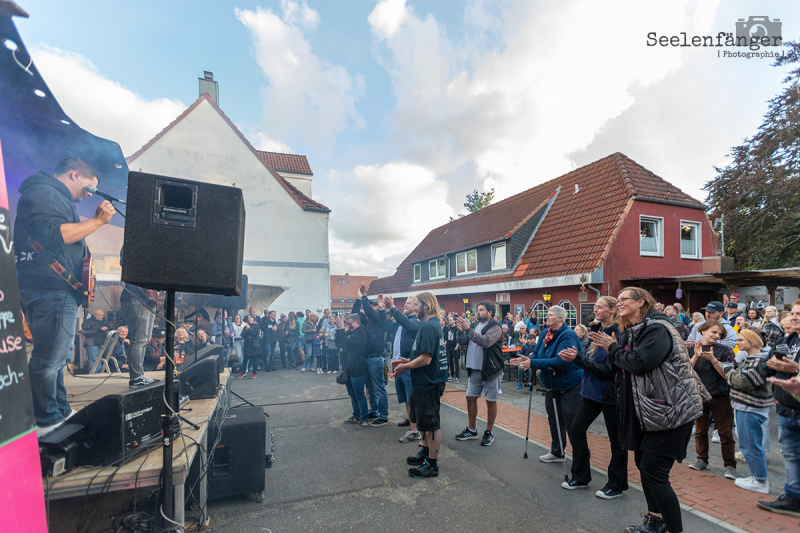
(143, 471)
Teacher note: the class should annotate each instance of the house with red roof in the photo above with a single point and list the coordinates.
(344, 291)
(286, 231)
(566, 241)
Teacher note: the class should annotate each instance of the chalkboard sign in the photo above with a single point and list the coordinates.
(16, 401)
(587, 310)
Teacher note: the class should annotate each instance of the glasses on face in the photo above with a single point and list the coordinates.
(623, 299)
(349, 324)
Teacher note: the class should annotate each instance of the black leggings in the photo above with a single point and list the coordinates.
(588, 411)
(654, 471)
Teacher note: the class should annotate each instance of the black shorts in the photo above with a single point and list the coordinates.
(425, 408)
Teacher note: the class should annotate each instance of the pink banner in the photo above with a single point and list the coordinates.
(21, 492)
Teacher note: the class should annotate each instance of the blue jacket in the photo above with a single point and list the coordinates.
(375, 335)
(546, 359)
(598, 378)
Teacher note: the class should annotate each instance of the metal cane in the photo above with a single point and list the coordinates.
(527, 430)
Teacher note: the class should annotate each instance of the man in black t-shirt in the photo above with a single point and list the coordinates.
(428, 367)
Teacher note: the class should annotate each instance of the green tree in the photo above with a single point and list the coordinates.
(477, 201)
(758, 194)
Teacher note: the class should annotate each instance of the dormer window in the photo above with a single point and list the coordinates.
(417, 273)
(438, 268)
(499, 256)
(467, 263)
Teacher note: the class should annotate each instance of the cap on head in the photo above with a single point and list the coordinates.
(158, 332)
(732, 306)
(714, 307)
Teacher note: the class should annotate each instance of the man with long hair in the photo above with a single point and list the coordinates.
(428, 366)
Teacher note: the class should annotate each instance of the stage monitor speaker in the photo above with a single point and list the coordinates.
(117, 424)
(239, 462)
(208, 351)
(230, 302)
(201, 380)
(183, 235)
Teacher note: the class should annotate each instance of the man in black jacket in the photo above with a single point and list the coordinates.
(379, 400)
(49, 240)
(269, 328)
(785, 371)
(484, 368)
(94, 330)
(405, 328)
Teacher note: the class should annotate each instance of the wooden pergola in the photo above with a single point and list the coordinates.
(713, 281)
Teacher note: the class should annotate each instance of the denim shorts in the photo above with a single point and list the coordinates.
(402, 385)
(490, 387)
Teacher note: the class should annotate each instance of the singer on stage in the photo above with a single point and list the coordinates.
(48, 221)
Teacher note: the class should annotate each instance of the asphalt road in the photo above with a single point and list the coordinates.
(328, 477)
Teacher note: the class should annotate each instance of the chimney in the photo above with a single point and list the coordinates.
(208, 85)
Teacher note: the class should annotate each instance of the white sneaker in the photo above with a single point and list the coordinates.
(739, 456)
(41, 432)
(550, 458)
(715, 436)
(751, 483)
(694, 430)
(303, 369)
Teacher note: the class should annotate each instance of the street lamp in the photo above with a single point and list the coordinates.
(547, 297)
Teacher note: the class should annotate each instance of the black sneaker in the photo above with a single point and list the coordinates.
(651, 524)
(487, 439)
(608, 494)
(783, 505)
(424, 471)
(141, 381)
(351, 420)
(379, 422)
(572, 485)
(467, 435)
(417, 460)
(404, 423)
(372, 417)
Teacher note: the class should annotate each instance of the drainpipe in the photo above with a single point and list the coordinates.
(595, 290)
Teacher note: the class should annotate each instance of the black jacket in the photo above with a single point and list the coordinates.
(411, 326)
(787, 404)
(354, 357)
(270, 335)
(92, 332)
(371, 322)
(250, 336)
(44, 206)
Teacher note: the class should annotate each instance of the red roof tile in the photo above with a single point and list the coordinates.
(573, 238)
(297, 164)
(302, 200)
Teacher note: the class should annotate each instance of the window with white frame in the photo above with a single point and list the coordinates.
(437, 268)
(540, 311)
(690, 240)
(467, 263)
(499, 256)
(572, 314)
(417, 273)
(651, 236)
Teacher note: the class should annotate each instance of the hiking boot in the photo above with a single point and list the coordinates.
(424, 471)
(651, 524)
(785, 504)
(417, 460)
(698, 465)
(572, 485)
(411, 435)
(487, 439)
(608, 494)
(550, 458)
(467, 435)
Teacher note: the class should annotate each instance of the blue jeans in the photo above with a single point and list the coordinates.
(378, 397)
(789, 441)
(361, 399)
(228, 348)
(268, 354)
(52, 316)
(91, 353)
(309, 348)
(751, 443)
(240, 352)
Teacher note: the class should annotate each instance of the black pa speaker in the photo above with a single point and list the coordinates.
(203, 353)
(183, 235)
(240, 456)
(117, 424)
(201, 380)
(230, 302)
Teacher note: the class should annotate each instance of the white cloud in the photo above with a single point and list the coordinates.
(99, 105)
(262, 141)
(307, 97)
(381, 213)
(517, 105)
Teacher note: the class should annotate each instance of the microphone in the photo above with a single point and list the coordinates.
(92, 189)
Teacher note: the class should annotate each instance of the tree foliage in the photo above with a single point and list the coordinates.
(758, 194)
(477, 201)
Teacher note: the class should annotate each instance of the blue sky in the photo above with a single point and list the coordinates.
(403, 107)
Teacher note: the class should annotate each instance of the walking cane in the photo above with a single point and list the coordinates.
(527, 430)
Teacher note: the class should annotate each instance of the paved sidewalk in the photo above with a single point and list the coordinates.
(704, 492)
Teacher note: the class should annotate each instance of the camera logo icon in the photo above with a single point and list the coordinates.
(757, 27)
